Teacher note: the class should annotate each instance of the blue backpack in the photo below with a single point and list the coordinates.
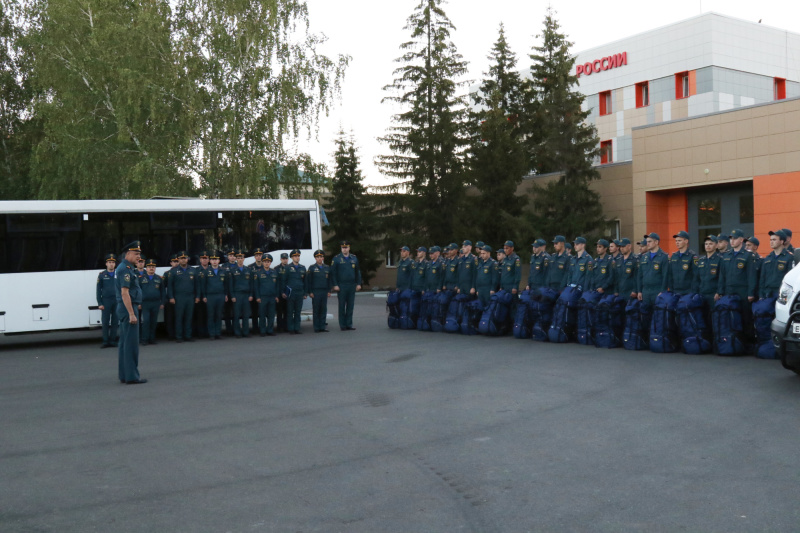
(727, 318)
(637, 314)
(565, 315)
(427, 304)
(763, 313)
(663, 327)
(543, 302)
(692, 326)
(586, 315)
(409, 309)
(455, 311)
(441, 303)
(522, 316)
(609, 321)
(473, 310)
(494, 321)
(393, 305)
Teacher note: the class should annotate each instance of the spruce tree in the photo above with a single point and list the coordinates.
(559, 140)
(428, 139)
(350, 210)
(498, 159)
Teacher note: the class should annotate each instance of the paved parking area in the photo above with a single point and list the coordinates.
(382, 430)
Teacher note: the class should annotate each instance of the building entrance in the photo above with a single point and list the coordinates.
(719, 209)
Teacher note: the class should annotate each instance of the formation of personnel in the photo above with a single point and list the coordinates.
(197, 299)
(729, 265)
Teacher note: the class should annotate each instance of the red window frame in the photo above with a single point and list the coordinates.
(605, 109)
(679, 85)
(779, 91)
(606, 153)
(642, 90)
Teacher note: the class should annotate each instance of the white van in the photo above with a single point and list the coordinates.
(786, 326)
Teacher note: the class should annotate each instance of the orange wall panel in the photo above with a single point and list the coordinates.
(667, 214)
(776, 202)
(692, 82)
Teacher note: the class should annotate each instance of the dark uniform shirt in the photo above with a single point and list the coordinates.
(652, 275)
(510, 272)
(106, 284)
(773, 269)
(318, 278)
(405, 269)
(626, 274)
(450, 273)
(603, 274)
(214, 283)
(434, 275)
(738, 274)
(537, 277)
(152, 288)
(706, 277)
(580, 270)
(680, 274)
(345, 271)
(240, 281)
(296, 278)
(126, 278)
(467, 269)
(487, 276)
(266, 283)
(557, 269)
(182, 282)
(418, 269)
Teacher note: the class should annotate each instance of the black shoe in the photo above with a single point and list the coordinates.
(270, 334)
(190, 339)
(152, 342)
(217, 337)
(136, 381)
(142, 343)
(351, 328)
(324, 331)
(106, 345)
(343, 329)
(179, 341)
(262, 334)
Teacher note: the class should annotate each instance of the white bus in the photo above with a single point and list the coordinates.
(52, 251)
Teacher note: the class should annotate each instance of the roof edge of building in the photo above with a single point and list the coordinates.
(531, 176)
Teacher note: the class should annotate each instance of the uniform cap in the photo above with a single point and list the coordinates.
(712, 238)
(787, 232)
(214, 255)
(580, 240)
(150, 262)
(754, 240)
(258, 250)
(466, 243)
(735, 234)
(436, 249)
(500, 250)
(453, 246)
(602, 242)
(239, 253)
(284, 255)
(111, 257)
(422, 249)
(268, 257)
(653, 236)
(510, 244)
(480, 244)
(780, 233)
(295, 252)
(319, 253)
(682, 234)
(617, 242)
(231, 251)
(722, 237)
(559, 238)
(204, 253)
(487, 248)
(539, 242)
(141, 258)
(624, 242)
(568, 245)
(405, 249)
(344, 242)
(182, 254)
(133, 246)
(173, 257)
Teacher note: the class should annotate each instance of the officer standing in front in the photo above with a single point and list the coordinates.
(294, 291)
(240, 287)
(775, 266)
(129, 296)
(405, 269)
(537, 277)
(182, 291)
(653, 265)
(214, 291)
(107, 301)
(680, 274)
(152, 286)
(318, 287)
(346, 276)
(267, 289)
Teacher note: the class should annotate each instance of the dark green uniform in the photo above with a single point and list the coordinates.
(625, 278)
(346, 274)
(434, 275)
(580, 270)
(510, 272)
(169, 309)
(706, 277)
(652, 275)
(240, 288)
(487, 279)
(773, 270)
(267, 288)
(738, 275)
(557, 269)
(450, 281)
(152, 300)
(319, 285)
(603, 274)
(106, 284)
(296, 282)
(182, 288)
(680, 274)
(537, 277)
(467, 270)
(214, 288)
(419, 268)
(405, 269)
(282, 307)
(201, 307)
(125, 277)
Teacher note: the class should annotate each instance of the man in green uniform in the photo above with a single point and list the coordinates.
(580, 268)
(152, 286)
(346, 275)
(318, 286)
(558, 264)
(282, 307)
(751, 244)
(680, 274)
(627, 270)
(258, 254)
(240, 287)
(510, 269)
(602, 277)
(405, 269)
(107, 301)
(267, 289)
(723, 244)
(182, 291)
(434, 272)
(540, 259)
(738, 275)
(706, 277)
(487, 278)
(294, 292)
(201, 307)
(652, 275)
(450, 280)
(214, 290)
(229, 266)
(775, 266)
(169, 307)
(419, 268)
(467, 269)
(129, 296)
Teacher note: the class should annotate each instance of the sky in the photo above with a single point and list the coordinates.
(371, 31)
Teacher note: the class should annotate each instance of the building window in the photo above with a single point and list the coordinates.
(391, 260)
(681, 85)
(605, 153)
(779, 89)
(605, 103)
(746, 210)
(643, 94)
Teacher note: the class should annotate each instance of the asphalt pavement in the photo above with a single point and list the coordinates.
(380, 430)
